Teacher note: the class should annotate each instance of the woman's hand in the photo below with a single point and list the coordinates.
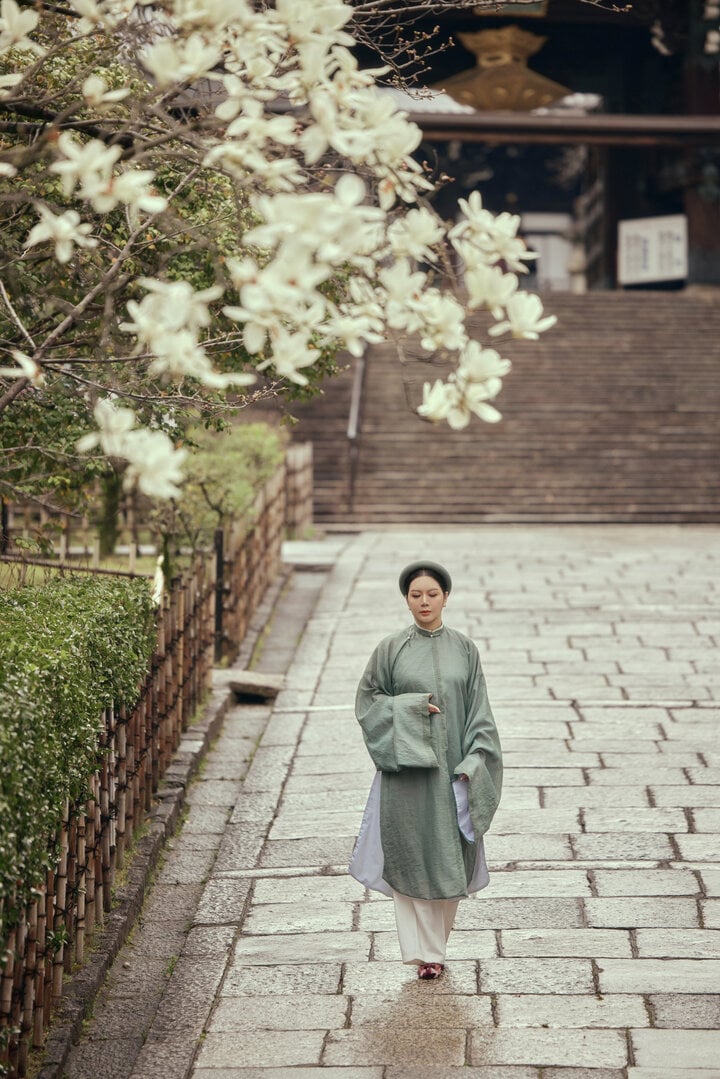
(464, 778)
(432, 708)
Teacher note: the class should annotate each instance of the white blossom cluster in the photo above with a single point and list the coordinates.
(154, 464)
(341, 204)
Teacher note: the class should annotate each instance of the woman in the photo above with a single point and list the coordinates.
(427, 724)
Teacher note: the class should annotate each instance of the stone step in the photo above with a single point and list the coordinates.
(611, 416)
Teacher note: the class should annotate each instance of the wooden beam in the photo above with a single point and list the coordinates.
(595, 129)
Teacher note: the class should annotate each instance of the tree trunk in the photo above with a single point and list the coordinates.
(108, 525)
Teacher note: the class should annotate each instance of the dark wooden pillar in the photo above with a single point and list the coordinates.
(702, 193)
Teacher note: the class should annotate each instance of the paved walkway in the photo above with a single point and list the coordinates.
(595, 952)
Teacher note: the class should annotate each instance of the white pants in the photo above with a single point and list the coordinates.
(423, 927)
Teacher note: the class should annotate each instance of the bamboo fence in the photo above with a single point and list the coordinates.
(135, 748)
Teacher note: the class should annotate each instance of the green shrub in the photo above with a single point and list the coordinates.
(68, 649)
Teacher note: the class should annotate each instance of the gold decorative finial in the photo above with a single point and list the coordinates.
(501, 78)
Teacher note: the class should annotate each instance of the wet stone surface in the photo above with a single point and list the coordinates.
(593, 953)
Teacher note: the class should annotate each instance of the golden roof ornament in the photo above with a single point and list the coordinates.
(501, 78)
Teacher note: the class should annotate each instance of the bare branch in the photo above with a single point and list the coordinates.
(15, 317)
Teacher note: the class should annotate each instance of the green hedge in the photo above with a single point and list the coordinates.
(68, 649)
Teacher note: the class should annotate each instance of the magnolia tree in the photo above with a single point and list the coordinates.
(199, 190)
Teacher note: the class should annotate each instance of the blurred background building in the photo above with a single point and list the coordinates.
(602, 130)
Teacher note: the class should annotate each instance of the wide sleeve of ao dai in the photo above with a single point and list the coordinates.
(419, 754)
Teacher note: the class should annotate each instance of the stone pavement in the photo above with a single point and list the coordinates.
(594, 952)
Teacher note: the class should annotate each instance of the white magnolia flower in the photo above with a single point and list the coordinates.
(402, 183)
(524, 317)
(482, 237)
(476, 220)
(250, 163)
(27, 368)
(107, 14)
(437, 401)
(132, 188)
(209, 13)
(336, 229)
(456, 404)
(153, 461)
(254, 127)
(65, 231)
(505, 244)
(443, 322)
(96, 93)
(489, 287)
(479, 379)
(476, 400)
(114, 424)
(87, 163)
(173, 60)
(404, 296)
(169, 307)
(179, 356)
(88, 9)
(402, 283)
(315, 19)
(354, 330)
(8, 82)
(154, 464)
(415, 234)
(284, 291)
(237, 91)
(478, 364)
(315, 139)
(15, 24)
(381, 132)
(290, 353)
(459, 413)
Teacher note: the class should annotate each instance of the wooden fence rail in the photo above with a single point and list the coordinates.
(135, 748)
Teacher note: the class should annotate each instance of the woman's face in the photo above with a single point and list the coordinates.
(426, 600)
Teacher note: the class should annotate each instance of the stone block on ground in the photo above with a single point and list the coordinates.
(249, 685)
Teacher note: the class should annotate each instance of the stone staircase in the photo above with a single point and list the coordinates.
(614, 415)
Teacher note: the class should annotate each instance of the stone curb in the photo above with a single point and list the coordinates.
(80, 991)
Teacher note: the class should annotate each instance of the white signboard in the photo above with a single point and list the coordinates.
(652, 249)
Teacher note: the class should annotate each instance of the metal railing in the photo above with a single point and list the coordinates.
(354, 425)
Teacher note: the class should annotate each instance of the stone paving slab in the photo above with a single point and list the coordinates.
(546, 1048)
(593, 954)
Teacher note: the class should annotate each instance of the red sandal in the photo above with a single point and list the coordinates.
(428, 971)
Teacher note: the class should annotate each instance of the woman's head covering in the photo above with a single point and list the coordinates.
(432, 569)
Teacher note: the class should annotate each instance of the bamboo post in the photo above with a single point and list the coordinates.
(106, 858)
(17, 983)
(37, 971)
(47, 950)
(59, 914)
(111, 819)
(81, 886)
(30, 973)
(6, 990)
(179, 718)
(99, 908)
(23, 985)
(71, 900)
(89, 863)
(121, 788)
(40, 964)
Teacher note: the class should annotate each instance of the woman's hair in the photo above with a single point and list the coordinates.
(422, 569)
